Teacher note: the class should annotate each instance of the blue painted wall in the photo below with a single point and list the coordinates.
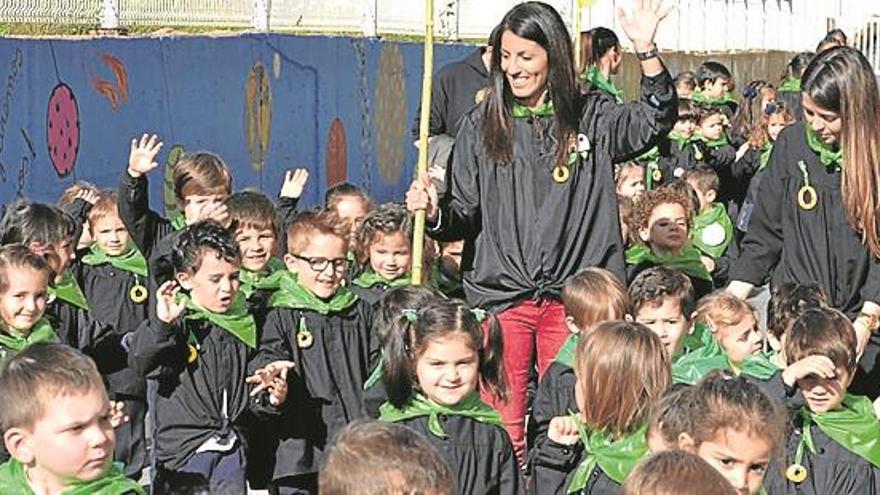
(192, 91)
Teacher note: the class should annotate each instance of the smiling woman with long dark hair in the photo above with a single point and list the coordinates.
(531, 187)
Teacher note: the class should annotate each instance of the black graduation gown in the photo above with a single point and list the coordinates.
(326, 391)
(80, 330)
(454, 94)
(554, 466)
(789, 244)
(554, 397)
(148, 230)
(526, 234)
(191, 396)
(480, 455)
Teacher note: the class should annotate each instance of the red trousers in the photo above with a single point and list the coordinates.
(524, 326)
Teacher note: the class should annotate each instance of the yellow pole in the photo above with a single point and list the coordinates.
(577, 36)
(422, 167)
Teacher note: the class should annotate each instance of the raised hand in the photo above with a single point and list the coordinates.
(294, 183)
(215, 211)
(640, 25)
(563, 430)
(88, 195)
(142, 157)
(273, 379)
(811, 365)
(422, 195)
(168, 309)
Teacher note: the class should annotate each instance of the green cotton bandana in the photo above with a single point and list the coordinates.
(41, 332)
(854, 426)
(291, 294)
(68, 291)
(471, 407)
(597, 79)
(178, 221)
(688, 261)
(790, 85)
(14, 481)
(712, 143)
(132, 261)
(520, 111)
(237, 320)
(616, 458)
(376, 375)
(698, 97)
(682, 141)
(266, 279)
(712, 231)
(369, 278)
(567, 352)
(691, 367)
(765, 155)
(827, 155)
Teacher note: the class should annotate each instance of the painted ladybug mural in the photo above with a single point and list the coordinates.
(62, 129)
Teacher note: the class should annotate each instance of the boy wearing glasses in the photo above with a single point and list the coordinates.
(316, 322)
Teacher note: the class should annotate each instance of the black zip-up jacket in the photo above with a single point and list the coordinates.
(524, 233)
(554, 466)
(554, 397)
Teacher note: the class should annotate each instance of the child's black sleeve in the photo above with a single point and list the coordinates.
(158, 349)
(274, 343)
(551, 464)
(78, 210)
(286, 211)
(635, 126)
(144, 226)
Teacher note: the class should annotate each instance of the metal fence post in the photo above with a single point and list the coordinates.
(109, 14)
(260, 20)
(370, 20)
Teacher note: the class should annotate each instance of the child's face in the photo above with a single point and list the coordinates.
(448, 368)
(321, 265)
(683, 89)
(707, 198)
(24, 301)
(712, 127)
(667, 321)
(111, 235)
(667, 227)
(59, 256)
(194, 204)
(450, 257)
(390, 255)
(775, 124)
(739, 457)
(741, 340)
(256, 247)
(824, 394)
(214, 285)
(85, 237)
(685, 127)
(73, 441)
(352, 209)
(717, 88)
(631, 182)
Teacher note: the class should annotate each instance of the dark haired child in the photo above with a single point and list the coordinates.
(316, 322)
(383, 249)
(712, 148)
(714, 82)
(58, 424)
(622, 369)
(198, 345)
(675, 473)
(436, 356)
(790, 85)
(832, 447)
(787, 302)
(669, 418)
(685, 84)
(255, 230)
(601, 57)
(447, 270)
(675, 154)
(712, 230)
(662, 299)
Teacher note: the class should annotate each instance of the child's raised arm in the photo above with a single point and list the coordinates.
(142, 224)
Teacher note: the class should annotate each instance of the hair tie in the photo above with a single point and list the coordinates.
(771, 108)
(479, 314)
(750, 92)
(411, 315)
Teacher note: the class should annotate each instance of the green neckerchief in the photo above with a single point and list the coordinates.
(790, 85)
(567, 352)
(854, 426)
(698, 97)
(680, 140)
(42, 331)
(827, 155)
(236, 320)
(650, 156)
(13, 481)
(692, 341)
(178, 221)
(690, 368)
(712, 143)
(765, 155)
(376, 375)
(291, 294)
(716, 216)
(267, 279)
(132, 261)
(616, 458)
(369, 278)
(597, 79)
(68, 291)
(543, 110)
(688, 261)
(470, 407)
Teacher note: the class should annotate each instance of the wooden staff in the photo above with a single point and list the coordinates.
(418, 247)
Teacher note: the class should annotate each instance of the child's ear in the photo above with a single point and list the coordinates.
(18, 444)
(569, 322)
(686, 443)
(185, 280)
(644, 235)
(710, 196)
(290, 263)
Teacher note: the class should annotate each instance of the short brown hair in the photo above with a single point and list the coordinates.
(670, 416)
(594, 295)
(387, 219)
(314, 222)
(622, 369)
(200, 174)
(826, 332)
(703, 179)
(654, 285)
(371, 458)
(252, 209)
(18, 255)
(650, 200)
(676, 473)
(30, 379)
(106, 205)
(788, 301)
(722, 309)
(69, 194)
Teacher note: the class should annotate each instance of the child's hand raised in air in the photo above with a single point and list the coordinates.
(273, 379)
(294, 183)
(811, 365)
(90, 196)
(217, 212)
(142, 157)
(117, 414)
(563, 430)
(168, 309)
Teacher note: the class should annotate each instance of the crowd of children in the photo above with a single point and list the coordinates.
(244, 342)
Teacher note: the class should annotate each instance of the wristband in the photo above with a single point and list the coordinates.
(647, 55)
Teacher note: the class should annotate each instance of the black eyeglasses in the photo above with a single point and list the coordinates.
(319, 264)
